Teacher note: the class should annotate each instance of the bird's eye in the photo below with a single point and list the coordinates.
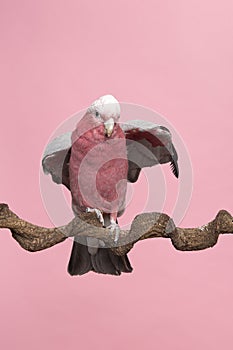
(97, 114)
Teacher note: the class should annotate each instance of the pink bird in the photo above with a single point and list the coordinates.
(94, 163)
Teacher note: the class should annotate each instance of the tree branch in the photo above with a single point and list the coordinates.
(147, 225)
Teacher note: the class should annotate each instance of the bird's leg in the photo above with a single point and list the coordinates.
(114, 227)
(98, 214)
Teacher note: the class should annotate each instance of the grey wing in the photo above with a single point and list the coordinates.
(148, 144)
(56, 159)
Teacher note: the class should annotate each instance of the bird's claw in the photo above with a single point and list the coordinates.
(98, 214)
(203, 227)
(115, 229)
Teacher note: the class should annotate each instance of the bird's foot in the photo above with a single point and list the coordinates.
(98, 214)
(115, 229)
(203, 227)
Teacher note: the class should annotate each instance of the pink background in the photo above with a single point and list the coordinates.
(173, 56)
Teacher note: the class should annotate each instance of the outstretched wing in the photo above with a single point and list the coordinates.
(56, 159)
(148, 144)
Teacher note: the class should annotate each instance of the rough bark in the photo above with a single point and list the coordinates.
(147, 225)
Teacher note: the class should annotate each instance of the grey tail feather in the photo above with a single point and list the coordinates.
(104, 261)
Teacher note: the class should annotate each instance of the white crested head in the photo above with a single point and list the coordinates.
(106, 106)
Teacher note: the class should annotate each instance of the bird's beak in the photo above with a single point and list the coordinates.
(109, 125)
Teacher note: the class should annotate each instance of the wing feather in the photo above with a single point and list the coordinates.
(148, 144)
(56, 159)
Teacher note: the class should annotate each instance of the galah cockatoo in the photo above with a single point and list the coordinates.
(95, 162)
